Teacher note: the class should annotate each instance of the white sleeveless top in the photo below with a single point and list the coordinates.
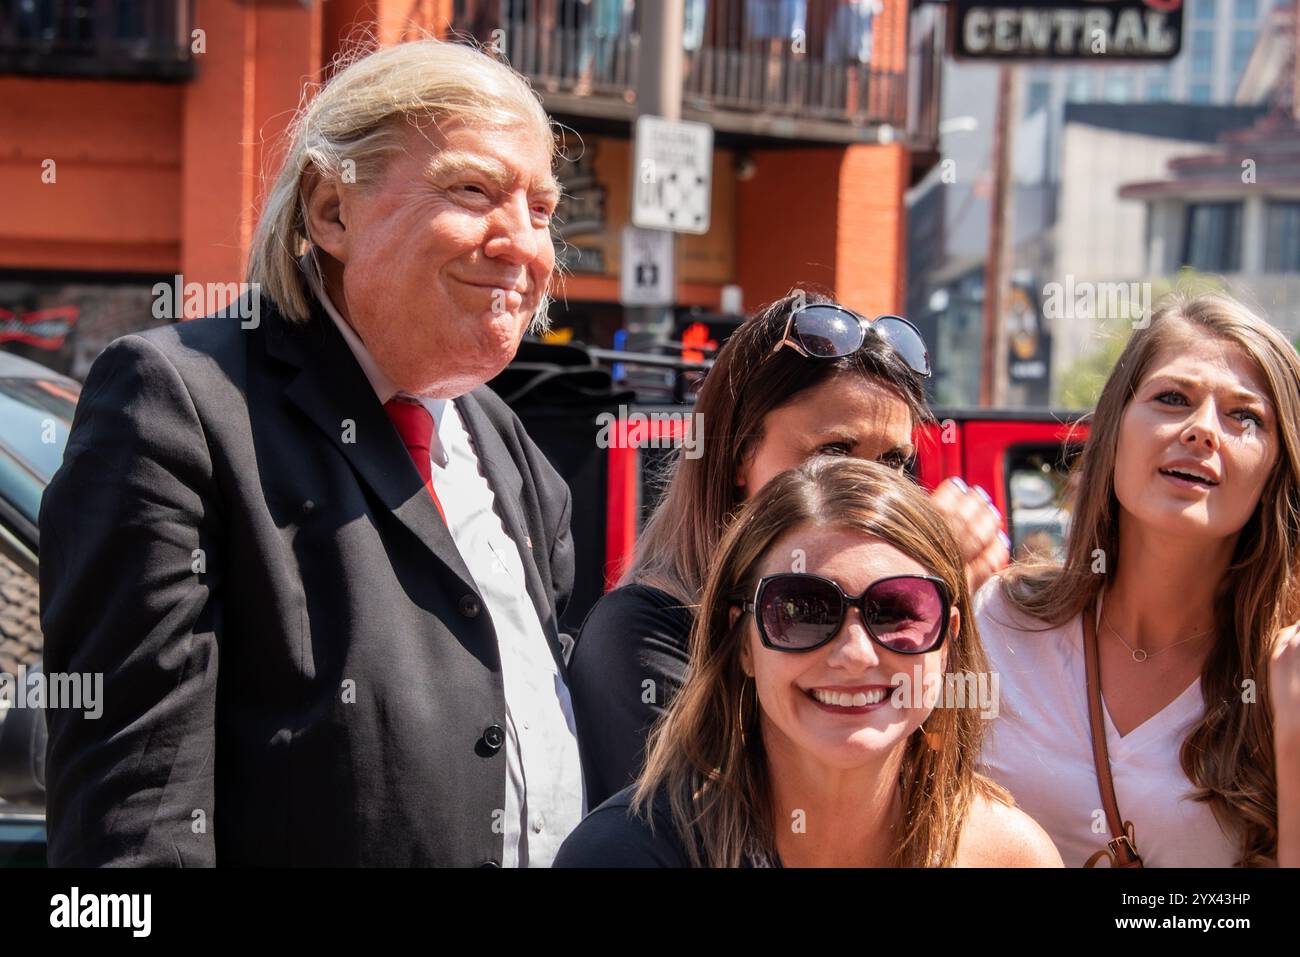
(1039, 748)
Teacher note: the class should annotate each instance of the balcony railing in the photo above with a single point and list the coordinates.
(808, 68)
(126, 39)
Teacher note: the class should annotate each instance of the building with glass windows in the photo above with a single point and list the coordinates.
(1083, 132)
(1218, 39)
(1234, 212)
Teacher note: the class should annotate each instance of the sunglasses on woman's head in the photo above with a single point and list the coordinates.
(828, 331)
(907, 614)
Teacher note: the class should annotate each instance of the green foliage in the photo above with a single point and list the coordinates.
(1081, 382)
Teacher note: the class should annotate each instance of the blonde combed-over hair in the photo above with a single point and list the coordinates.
(354, 124)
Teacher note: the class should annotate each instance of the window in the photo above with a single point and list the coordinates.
(1202, 53)
(1039, 93)
(1157, 90)
(1246, 10)
(1213, 237)
(1200, 92)
(1243, 44)
(1080, 88)
(1205, 11)
(1282, 237)
(1039, 519)
(1119, 88)
(122, 39)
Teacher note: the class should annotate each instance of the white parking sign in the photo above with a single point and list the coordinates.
(674, 175)
(647, 269)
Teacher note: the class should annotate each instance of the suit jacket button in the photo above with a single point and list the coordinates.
(489, 864)
(494, 737)
(469, 606)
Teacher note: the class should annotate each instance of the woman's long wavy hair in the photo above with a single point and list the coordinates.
(1228, 756)
(707, 752)
(748, 380)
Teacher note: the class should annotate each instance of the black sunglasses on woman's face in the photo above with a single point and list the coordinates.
(906, 614)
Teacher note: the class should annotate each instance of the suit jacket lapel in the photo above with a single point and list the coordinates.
(507, 491)
(333, 393)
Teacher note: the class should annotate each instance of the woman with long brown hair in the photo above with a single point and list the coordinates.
(817, 725)
(1180, 583)
(802, 377)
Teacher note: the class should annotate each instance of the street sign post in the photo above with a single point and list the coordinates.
(646, 272)
(673, 170)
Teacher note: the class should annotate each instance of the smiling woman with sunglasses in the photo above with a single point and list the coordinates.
(804, 735)
(805, 376)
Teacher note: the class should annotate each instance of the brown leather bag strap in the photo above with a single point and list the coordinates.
(1122, 851)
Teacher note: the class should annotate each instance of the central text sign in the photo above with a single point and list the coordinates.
(1077, 30)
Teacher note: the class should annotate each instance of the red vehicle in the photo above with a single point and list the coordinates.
(1020, 457)
(612, 447)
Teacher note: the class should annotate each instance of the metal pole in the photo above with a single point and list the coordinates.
(659, 80)
(658, 93)
(993, 344)
(1295, 61)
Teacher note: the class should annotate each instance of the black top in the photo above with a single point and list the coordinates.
(628, 663)
(612, 836)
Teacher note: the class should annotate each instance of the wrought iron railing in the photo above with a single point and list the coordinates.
(141, 39)
(852, 62)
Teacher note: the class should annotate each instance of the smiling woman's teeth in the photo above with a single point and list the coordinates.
(842, 699)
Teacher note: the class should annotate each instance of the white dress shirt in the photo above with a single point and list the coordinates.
(544, 796)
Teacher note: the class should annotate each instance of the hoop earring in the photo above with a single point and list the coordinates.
(934, 740)
(740, 714)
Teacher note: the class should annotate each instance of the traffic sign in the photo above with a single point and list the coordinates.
(647, 268)
(673, 168)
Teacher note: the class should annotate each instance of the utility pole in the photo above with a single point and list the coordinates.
(658, 93)
(1295, 62)
(997, 267)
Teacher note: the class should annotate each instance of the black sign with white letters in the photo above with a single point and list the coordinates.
(1099, 31)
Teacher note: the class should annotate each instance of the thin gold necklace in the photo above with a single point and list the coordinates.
(1139, 654)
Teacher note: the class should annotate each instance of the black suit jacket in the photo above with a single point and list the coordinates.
(298, 668)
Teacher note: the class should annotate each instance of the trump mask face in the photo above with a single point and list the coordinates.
(441, 264)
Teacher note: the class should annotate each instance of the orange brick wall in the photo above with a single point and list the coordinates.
(872, 236)
(830, 217)
(155, 177)
(786, 221)
(247, 87)
(115, 200)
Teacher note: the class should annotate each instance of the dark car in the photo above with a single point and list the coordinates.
(36, 407)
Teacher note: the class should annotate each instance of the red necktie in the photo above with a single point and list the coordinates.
(415, 425)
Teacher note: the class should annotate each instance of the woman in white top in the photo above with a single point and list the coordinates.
(1185, 547)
